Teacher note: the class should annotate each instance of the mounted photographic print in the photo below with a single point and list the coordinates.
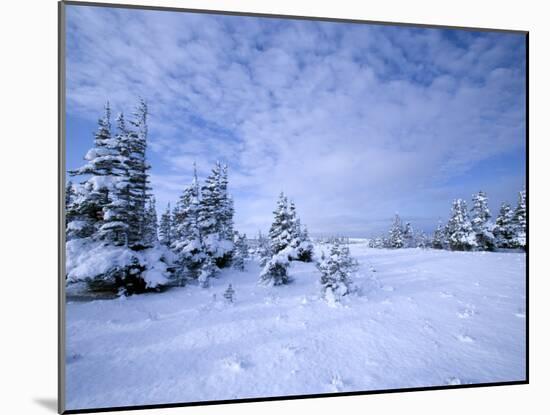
(258, 207)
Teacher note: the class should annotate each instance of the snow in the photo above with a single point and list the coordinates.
(418, 318)
(87, 259)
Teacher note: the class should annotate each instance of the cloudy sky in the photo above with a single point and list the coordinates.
(354, 122)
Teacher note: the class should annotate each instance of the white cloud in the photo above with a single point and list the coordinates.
(354, 122)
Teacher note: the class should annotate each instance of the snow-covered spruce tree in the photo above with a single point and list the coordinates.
(520, 222)
(408, 236)
(395, 239)
(460, 234)
(481, 226)
(208, 270)
(216, 217)
(138, 177)
(305, 247)
(504, 229)
(165, 227)
(70, 196)
(336, 270)
(439, 240)
(240, 254)
(421, 239)
(280, 232)
(187, 238)
(275, 271)
(263, 249)
(85, 214)
(150, 231)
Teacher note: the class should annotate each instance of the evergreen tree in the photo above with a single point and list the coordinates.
(240, 254)
(187, 240)
(439, 240)
(263, 249)
(408, 236)
(85, 215)
(216, 216)
(305, 246)
(115, 226)
(396, 233)
(504, 230)
(165, 228)
(281, 231)
(150, 234)
(460, 234)
(480, 215)
(138, 177)
(275, 271)
(520, 221)
(336, 271)
(208, 270)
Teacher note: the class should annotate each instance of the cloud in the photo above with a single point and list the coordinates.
(353, 121)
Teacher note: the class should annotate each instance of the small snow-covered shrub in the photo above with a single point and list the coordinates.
(229, 293)
(275, 271)
(336, 270)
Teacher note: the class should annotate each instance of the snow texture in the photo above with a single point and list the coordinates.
(419, 317)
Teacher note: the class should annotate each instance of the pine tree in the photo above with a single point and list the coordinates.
(275, 271)
(481, 215)
(336, 270)
(208, 270)
(460, 234)
(408, 236)
(280, 233)
(150, 233)
(520, 222)
(396, 233)
(165, 227)
(504, 230)
(138, 177)
(216, 216)
(305, 247)
(86, 213)
(187, 240)
(263, 249)
(115, 226)
(240, 254)
(439, 240)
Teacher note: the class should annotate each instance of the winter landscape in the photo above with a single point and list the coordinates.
(262, 207)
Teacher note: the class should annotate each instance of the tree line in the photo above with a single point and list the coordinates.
(466, 229)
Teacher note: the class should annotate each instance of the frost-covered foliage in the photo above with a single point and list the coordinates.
(439, 240)
(395, 239)
(150, 228)
(460, 234)
(481, 226)
(202, 227)
(263, 249)
(215, 217)
(240, 254)
(286, 232)
(107, 216)
(336, 270)
(504, 229)
(409, 237)
(165, 227)
(520, 221)
(116, 268)
(275, 271)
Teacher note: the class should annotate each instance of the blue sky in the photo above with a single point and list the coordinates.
(354, 122)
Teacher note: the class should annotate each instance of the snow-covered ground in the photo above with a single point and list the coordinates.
(420, 318)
